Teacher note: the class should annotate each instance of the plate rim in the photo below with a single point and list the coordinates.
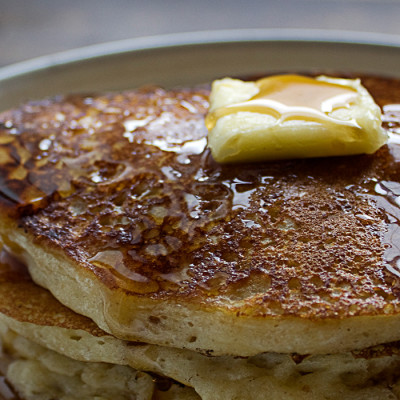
(196, 38)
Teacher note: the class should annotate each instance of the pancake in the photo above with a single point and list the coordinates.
(56, 353)
(51, 352)
(117, 207)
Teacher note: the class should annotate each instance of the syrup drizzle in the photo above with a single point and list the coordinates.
(293, 97)
(386, 193)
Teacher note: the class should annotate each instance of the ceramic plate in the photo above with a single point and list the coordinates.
(185, 59)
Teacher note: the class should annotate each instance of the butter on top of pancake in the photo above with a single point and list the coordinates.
(292, 116)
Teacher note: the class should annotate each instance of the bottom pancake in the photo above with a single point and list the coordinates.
(38, 373)
(59, 354)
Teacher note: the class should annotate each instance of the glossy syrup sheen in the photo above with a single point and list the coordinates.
(293, 97)
(124, 185)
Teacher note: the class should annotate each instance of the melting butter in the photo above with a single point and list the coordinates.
(291, 116)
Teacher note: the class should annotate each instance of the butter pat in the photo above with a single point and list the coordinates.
(291, 116)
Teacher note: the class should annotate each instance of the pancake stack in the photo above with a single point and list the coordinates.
(135, 266)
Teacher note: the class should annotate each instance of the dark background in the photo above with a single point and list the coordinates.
(30, 28)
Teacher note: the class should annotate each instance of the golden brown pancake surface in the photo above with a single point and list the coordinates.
(125, 187)
(109, 180)
(24, 301)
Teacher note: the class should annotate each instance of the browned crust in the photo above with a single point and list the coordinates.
(308, 238)
(24, 301)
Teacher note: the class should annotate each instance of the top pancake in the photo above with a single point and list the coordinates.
(118, 208)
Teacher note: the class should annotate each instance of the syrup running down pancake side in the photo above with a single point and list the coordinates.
(118, 208)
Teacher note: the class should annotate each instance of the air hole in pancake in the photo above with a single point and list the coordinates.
(246, 243)
(77, 207)
(154, 320)
(120, 199)
(77, 338)
(229, 256)
(316, 281)
(294, 284)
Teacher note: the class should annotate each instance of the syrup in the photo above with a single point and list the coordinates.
(293, 97)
